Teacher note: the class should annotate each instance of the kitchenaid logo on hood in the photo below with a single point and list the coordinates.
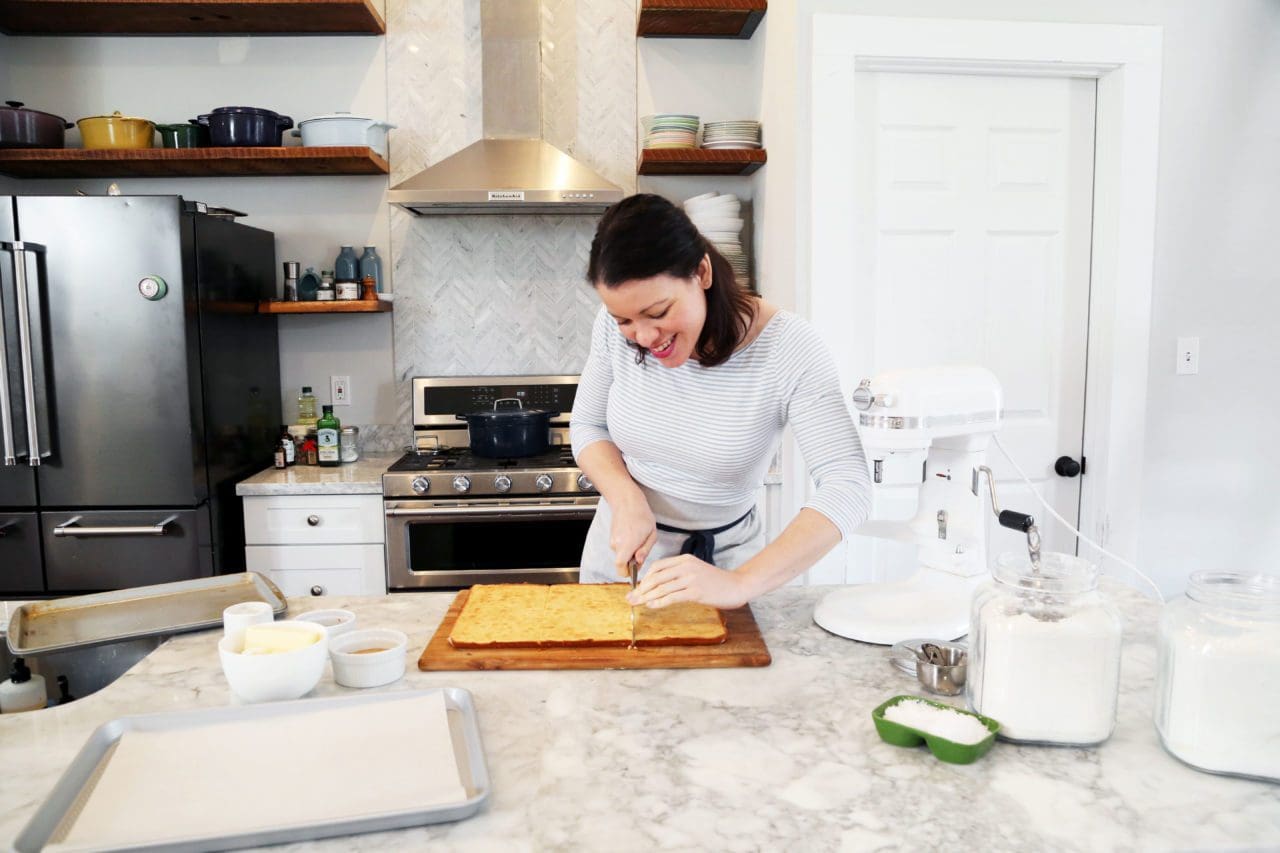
(506, 195)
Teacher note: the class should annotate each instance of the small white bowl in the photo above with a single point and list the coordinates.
(355, 667)
(335, 622)
(271, 678)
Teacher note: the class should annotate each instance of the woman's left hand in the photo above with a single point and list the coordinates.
(686, 578)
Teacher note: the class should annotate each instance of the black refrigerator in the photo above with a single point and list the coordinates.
(138, 384)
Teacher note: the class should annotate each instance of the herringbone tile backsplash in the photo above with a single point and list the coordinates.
(501, 294)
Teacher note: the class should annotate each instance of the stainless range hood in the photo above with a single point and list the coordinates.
(513, 169)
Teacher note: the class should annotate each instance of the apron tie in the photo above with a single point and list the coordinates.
(702, 543)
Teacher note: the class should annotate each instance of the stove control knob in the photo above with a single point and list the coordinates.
(543, 483)
(421, 485)
(461, 483)
(502, 483)
(585, 484)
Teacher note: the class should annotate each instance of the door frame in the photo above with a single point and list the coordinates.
(1126, 62)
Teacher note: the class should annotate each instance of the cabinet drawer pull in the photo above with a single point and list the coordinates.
(313, 520)
(317, 590)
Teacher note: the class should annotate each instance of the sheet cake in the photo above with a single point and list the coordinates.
(568, 615)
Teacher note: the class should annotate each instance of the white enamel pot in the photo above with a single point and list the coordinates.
(344, 129)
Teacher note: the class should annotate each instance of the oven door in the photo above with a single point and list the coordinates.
(452, 544)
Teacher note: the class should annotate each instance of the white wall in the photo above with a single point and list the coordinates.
(1209, 458)
(174, 79)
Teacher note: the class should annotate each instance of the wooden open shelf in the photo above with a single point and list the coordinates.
(726, 19)
(190, 17)
(189, 162)
(701, 161)
(338, 306)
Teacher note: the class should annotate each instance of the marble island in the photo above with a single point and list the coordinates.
(783, 757)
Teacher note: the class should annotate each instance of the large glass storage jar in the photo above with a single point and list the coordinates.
(1044, 651)
(1218, 675)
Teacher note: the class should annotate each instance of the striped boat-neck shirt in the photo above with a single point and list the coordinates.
(707, 434)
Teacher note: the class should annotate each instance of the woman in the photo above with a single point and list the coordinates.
(681, 406)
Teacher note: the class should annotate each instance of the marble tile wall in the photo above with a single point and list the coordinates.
(500, 294)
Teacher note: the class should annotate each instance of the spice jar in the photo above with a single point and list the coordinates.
(1218, 675)
(350, 444)
(1044, 651)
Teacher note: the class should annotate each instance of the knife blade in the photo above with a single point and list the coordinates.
(633, 569)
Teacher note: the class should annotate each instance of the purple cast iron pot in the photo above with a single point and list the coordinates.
(23, 128)
(507, 433)
(245, 126)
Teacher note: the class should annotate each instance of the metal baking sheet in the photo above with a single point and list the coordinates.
(46, 826)
(106, 617)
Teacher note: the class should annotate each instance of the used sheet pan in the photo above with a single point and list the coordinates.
(52, 820)
(106, 617)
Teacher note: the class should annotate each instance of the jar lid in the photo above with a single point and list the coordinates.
(350, 430)
(1056, 574)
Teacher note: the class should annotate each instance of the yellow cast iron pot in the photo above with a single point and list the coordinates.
(116, 131)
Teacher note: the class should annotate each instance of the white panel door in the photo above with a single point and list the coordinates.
(975, 197)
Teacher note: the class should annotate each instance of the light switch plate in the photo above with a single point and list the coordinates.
(1188, 356)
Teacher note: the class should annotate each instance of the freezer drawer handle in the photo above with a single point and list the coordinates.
(69, 528)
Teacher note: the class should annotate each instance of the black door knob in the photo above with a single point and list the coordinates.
(1067, 467)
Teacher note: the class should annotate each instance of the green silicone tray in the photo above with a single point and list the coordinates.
(943, 749)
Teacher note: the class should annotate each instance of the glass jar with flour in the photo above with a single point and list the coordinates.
(1218, 675)
(1044, 651)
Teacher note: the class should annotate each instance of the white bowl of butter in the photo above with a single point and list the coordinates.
(275, 660)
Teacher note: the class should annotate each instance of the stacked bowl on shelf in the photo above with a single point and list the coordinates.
(671, 130)
(731, 134)
(719, 219)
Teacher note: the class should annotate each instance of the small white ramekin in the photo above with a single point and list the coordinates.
(373, 669)
(335, 622)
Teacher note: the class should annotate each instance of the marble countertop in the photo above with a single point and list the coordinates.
(783, 757)
(362, 477)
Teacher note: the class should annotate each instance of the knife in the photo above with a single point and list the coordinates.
(633, 569)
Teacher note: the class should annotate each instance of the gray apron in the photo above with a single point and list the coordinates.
(733, 547)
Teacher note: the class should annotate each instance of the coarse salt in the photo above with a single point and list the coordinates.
(949, 723)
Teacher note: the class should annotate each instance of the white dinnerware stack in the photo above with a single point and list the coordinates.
(719, 219)
(731, 134)
(671, 130)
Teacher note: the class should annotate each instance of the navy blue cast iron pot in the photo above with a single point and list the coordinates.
(245, 126)
(507, 433)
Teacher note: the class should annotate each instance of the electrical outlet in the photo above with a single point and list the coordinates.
(1188, 356)
(340, 390)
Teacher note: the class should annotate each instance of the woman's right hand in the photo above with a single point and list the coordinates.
(633, 533)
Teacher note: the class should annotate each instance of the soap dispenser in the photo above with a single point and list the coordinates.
(23, 691)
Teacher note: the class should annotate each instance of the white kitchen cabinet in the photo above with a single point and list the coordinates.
(317, 544)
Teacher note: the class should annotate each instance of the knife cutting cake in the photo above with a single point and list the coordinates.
(568, 615)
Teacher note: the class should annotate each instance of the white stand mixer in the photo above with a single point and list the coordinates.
(945, 417)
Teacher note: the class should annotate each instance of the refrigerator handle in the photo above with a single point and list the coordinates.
(21, 285)
(6, 405)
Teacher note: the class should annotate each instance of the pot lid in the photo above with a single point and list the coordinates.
(337, 115)
(117, 116)
(16, 106)
(507, 414)
(252, 111)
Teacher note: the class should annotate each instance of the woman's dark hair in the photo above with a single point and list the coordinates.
(646, 235)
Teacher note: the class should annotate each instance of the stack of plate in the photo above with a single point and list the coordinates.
(671, 130)
(718, 218)
(731, 134)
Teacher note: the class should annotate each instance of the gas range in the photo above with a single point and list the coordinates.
(456, 472)
(455, 518)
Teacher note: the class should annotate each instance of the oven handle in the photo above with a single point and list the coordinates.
(511, 509)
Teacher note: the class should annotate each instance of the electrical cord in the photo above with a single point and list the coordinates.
(1130, 566)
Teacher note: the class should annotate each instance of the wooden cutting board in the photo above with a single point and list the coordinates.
(743, 647)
